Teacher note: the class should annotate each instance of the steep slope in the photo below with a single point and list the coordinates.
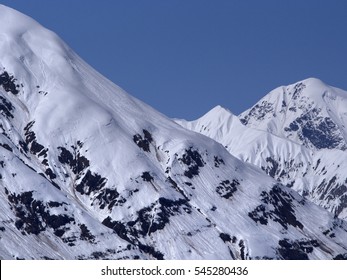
(89, 172)
(296, 134)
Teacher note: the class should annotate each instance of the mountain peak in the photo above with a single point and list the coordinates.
(219, 111)
(308, 112)
(311, 87)
(312, 81)
(14, 23)
(26, 47)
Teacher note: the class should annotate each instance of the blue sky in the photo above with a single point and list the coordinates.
(183, 57)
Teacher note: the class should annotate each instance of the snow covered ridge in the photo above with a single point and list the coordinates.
(296, 134)
(84, 175)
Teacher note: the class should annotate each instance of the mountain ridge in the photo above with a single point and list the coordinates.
(90, 172)
(296, 134)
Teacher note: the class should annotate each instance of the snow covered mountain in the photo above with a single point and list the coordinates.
(89, 172)
(297, 134)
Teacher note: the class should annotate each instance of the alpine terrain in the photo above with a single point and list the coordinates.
(89, 172)
(297, 134)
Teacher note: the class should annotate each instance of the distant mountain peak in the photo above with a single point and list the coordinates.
(308, 112)
(219, 109)
(312, 81)
(219, 112)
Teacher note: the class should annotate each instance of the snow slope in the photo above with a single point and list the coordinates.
(89, 172)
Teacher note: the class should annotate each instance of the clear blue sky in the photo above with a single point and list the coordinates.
(183, 57)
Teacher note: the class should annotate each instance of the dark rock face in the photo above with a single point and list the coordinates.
(8, 83)
(342, 205)
(226, 189)
(298, 89)
(321, 132)
(218, 161)
(296, 250)
(7, 147)
(38, 150)
(6, 108)
(259, 214)
(259, 111)
(341, 257)
(273, 168)
(243, 253)
(280, 169)
(281, 210)
(177, 188)
(147, 177)
(74, 159)
(144, 141)
(89, 183)
(336, 226)
(130, 236)
(149, 220)
(193, 160)
(86, 234)
(50, 174)
(33, 215)
(332, 190)
(109, 197)
(156, 216)
(30, 140)
(225, 237)
(109, 254)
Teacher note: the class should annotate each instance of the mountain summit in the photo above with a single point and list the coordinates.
(89, 172)
(308, 112)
